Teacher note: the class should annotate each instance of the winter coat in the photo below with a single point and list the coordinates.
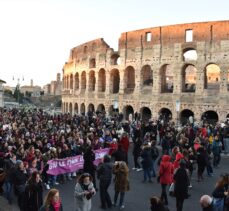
(81, 202)
(104, 172)
(51, 208)
(33, 197)
(181, 181)
(89, 157)
(176, 163)
(166, 170)
(119, 155)
(125, 143)
(146, 158)
(121, 178)
(216, 147)
(137, 148)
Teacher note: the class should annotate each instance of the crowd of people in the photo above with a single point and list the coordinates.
(29, 139)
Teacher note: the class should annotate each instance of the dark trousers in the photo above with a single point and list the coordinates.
(21, 201)
(104, 195)
(216, 160)
(179, 204)
(122, 195)
(164, 194)
(136, 164)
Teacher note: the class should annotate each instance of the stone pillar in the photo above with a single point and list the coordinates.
(156, 80)
(177, 79)
(223, 80)
(107, 90)
(96, 81)
(137, 89)
(122, 82)
(199, 80)
(87, 82)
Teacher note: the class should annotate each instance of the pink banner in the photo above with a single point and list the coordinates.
(72, 164)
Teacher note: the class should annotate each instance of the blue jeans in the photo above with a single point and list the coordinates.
(153, 169)
(121, 201)
(8, 191)
(226, 145)
(147, 174)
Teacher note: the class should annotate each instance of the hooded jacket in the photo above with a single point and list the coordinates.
(166, 170)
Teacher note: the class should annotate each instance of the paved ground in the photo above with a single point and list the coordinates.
(138, 197)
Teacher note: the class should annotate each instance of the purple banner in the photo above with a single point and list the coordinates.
(72, 164)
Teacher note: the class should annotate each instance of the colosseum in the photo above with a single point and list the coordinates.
(177, 71)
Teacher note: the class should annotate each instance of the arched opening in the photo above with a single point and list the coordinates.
(189, 78)
(101, 108)
(210, 117)
(68, 83)
(212, 77)
(189, 55)
(129, 80)
(90, 109)
(146, 77)
(71, 81)
(91, 85)
(76, 108)
(145, 114)
(114, 59)
(76, 81)
(128, 112)
(114, 81)
(82, 108)
(113, 111)
(83, 81)
(92, 63)
(165, 114)
(70, 108)
(166, 75)
(102, 81)
(185, 115)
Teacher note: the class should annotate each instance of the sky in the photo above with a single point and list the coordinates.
(36, 35)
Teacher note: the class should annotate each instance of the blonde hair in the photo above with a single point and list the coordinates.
(49, 197)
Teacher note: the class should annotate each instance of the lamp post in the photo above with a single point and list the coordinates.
(18, 87)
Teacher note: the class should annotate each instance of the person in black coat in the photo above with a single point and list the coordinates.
(33, 193)
(119, 154)
(201, 163)
(19, 181)
(105, 175)
(89, 167)
(146, 162)
(181, 181)
(137, 153)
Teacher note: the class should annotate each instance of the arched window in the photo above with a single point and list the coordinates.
(91, 85)
(189, 78)
(83, 81)
(166, 75)
(114, 81)
(212, 77)
(76, 81)
(102, 81)
(129, 79)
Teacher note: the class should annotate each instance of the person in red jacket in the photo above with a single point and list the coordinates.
(176, 163)
(124, 142)
(166, 175)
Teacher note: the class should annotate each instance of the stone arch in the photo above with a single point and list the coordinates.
(101, 108)
(83, 81)
(165, 114)
(189, 78)
(184, 116)
(71, 81)
(114, 59)
(129, 80)
(76, 108)
(146, 114)
(76, 81)
(189, 54)
(102, 80)
(166, 76)
(210, 117)
(114, 81)
(128, 112)
(82, 108)
(70, 108)
(112, 111)
(212, 76)
(92, 80)
(146, 76)
(91, 108)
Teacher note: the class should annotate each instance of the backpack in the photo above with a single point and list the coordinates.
(154, 153)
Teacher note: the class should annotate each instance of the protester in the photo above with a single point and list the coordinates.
(181, 183)
(52, 201)
(165, 176)
(33, 193)
(84, 190)
(104, 172)
(121, 172)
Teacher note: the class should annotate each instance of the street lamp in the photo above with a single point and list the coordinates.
(18, 86)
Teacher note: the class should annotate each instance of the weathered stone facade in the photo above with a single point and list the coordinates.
(151, 71)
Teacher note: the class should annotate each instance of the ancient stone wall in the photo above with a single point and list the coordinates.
(154, 70)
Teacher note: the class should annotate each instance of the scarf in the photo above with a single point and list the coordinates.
(56, 205)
